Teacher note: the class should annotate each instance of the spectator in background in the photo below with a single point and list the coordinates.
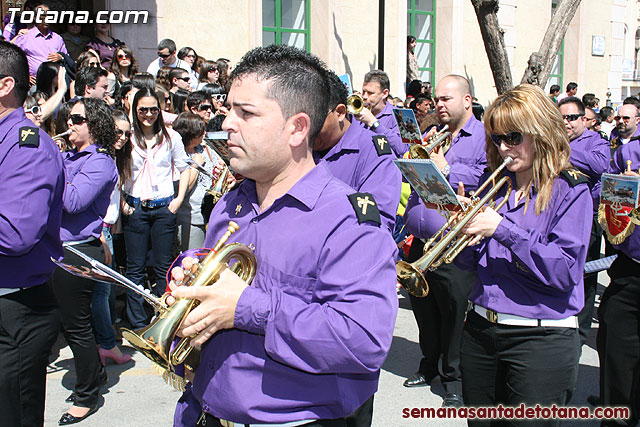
(163, 76)
(554, 91)
(87, 58)
(91, 82)
(11, 29)
(572, 89)
(189, 55)
(167, 58)
(40, 44)
(104, 44)
(179, 101)
(209, 73)
(200, 104)
(413, 90)
(421, 107)
(606, 119)
(224, 71)
(218, 97)
(590, 101)
(124, 64)
(412, 61)
(74, 41)
(590, 118)
(179, 79)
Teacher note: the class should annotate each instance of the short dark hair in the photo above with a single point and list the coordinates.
(554, 88)
(415, 88)
(144, 80)
(338, 92)
(167, 44)
(631, 100)
(378, 76)
(196, 98)
(88, 77)
(102, 127)
(572, 100)
(572, 86)
(189, 126)
(605, 112)
(176, 73)
(13, 63)
(298, 81)
(589, 100)
(178, 99)
(411, 39)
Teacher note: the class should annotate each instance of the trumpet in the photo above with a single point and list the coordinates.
(355, 104)
(154, 340)
(440, 138)
(450, 244)
(220, 186)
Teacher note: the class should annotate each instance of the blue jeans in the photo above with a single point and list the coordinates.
(102, 301)
(159, 224)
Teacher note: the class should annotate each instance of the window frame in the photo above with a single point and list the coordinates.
(279, 30)
(412, 12)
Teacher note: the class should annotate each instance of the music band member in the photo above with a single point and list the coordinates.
(520, 342)
(305, 342)
(377, 114)
(357, 156)
(91, 176)
(30, 217)
(590, 155)
(618, 339)
(627, 129)
(440, 315)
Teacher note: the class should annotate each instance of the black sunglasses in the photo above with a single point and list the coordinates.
(572, 117)
(120, 132)
(35, 110)
(77, 119)
(184, 79)
(145, 110)
(624, 118)
(204, 107)
(512, 139)
(164, 55)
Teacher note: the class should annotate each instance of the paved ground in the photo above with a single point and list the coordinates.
(137, 396)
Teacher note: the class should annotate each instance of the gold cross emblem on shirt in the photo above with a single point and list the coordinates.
(573, 174)
(238, 208)
(364, 202)
(26, 133)
(381, 142)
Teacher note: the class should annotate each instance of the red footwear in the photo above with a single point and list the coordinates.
(110, 354)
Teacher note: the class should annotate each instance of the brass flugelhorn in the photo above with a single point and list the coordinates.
(154, 340)
(355, 104)
(450, 243)
(440, 138)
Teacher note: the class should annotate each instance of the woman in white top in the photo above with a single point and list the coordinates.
(149, 207)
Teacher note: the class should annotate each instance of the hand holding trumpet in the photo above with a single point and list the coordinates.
(483, 224)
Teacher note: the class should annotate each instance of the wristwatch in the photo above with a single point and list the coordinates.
(445, 170)
(374, 125)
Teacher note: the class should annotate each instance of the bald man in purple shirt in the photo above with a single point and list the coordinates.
(303, 345)
(41, 44)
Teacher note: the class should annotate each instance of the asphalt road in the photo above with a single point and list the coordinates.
(137, 396)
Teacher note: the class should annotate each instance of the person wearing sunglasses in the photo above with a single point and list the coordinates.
(167, 58)
(627, 129)
(590, 155)
(124, 64)
(199, 103)
(209, 73)
(90, 176)
(149, 206)
(104, 44)
(440, 315)
(521, 342)
(189, 55)
(179, 79)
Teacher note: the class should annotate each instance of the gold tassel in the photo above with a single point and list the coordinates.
(175, 381)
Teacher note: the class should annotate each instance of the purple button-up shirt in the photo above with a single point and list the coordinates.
(615, 137)
(467, 160)
(533, 265)
(30, 205)
(355, 161)
(389, 128)
(315, 326)
(590, 155)
(90, 177)
(629, 151)
(37, 46)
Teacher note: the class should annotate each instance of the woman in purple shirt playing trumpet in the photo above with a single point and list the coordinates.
(520, 343)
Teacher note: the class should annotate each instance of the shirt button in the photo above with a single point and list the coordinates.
(254, 220)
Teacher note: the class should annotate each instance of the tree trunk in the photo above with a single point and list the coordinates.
(493, 37)
(541, 62)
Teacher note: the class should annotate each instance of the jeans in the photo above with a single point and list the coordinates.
(101, 306)
(159, 224)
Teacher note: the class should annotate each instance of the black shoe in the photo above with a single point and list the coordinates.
(418, 380)
(452, 400)
(593, 400)
(104, 379)
(71, 398)
(67, 418)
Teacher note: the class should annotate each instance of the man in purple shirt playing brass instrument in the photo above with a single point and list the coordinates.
(30, 216)
(303, 345)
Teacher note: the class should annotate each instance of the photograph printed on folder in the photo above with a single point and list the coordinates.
(619, 190)
(408, 125)
(427, 180)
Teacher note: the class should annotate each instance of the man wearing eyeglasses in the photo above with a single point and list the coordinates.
(167, 58)
(590, 155)
(626, 129)
(179, 79)
(30, 217)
